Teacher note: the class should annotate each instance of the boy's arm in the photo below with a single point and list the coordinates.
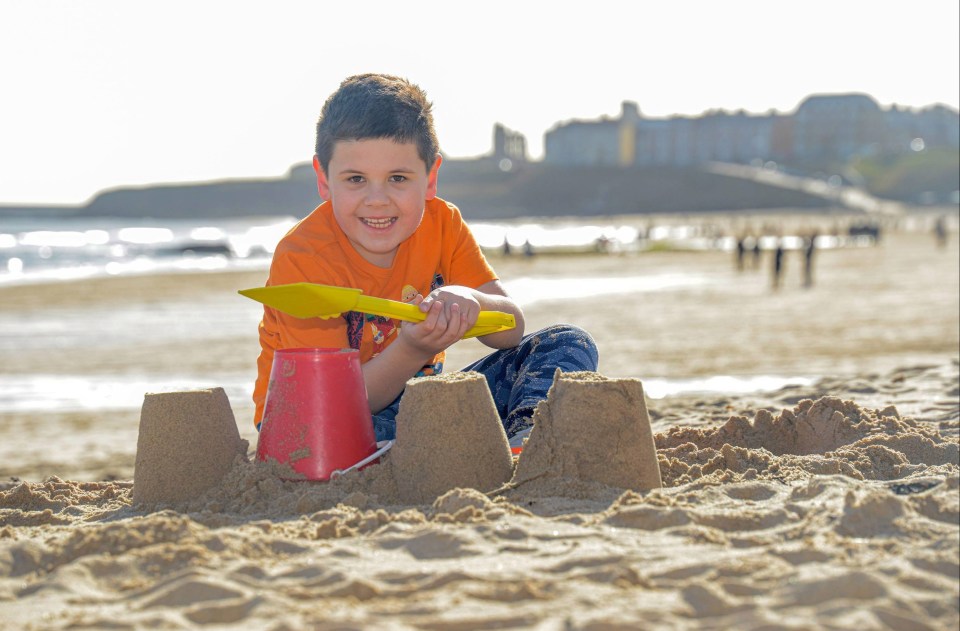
(386, 375)
(451, 312)
(492, 297)
(487, 297)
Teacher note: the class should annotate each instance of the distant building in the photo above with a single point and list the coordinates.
(823, 128)
(936, 126)
(682, 141)
(828, 127)
(609, 141)
(584, 143)
(509, 144)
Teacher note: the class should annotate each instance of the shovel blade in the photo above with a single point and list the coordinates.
(306, 300)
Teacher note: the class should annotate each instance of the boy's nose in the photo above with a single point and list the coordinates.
(376, 196)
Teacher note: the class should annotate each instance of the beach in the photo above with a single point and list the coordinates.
(806, 437)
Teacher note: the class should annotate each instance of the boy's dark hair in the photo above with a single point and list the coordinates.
(377, 106)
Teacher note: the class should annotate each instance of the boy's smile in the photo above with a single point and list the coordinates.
(378, 188)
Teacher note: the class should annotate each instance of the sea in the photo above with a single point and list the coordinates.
(34, 250)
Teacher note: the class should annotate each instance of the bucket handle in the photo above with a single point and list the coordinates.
(382, 447)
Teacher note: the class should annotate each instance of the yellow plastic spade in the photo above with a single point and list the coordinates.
(310, 300)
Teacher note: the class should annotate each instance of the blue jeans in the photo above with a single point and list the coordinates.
(518, 377)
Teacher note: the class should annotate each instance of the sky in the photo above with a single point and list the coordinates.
(103, 94)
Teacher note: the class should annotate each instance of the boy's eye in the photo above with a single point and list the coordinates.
(355, 179)
(398, 178)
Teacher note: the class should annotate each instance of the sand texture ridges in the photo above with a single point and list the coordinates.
(820, 514)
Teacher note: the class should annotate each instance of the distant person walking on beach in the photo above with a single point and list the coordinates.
(777, 264)
(741, 252)
(940, 231)
(756, 253)
(808, 260)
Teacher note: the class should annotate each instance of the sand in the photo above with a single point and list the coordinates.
(591, 429)
(822, 514)
(448, 436)
(187, 443)
(834, 504)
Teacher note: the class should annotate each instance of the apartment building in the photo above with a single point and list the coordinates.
(822, 128)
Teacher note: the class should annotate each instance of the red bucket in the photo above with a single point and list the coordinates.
(316, 417)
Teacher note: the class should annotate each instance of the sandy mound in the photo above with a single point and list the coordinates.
(591, 428)
(188, 441)
(448, 435)
(827, 436)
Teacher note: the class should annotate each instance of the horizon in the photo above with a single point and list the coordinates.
(172, 93)
(306, 162)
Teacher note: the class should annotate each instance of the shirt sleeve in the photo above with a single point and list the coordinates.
(469, 267)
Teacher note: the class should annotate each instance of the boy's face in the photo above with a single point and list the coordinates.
(378, 188)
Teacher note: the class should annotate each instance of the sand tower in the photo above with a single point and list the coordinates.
(188, 441)
(592, 428)
(449, 435)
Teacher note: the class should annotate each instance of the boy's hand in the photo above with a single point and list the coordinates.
(455, 295)
(445, 325)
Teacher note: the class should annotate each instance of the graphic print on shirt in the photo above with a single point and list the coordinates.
(408, 293)
(381, 330)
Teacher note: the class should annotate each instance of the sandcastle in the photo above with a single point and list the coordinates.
(595, 428)
(188, 441)
(449, 435)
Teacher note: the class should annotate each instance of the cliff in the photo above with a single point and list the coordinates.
(479, 187)
(482, 190)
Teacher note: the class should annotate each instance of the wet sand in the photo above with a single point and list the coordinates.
(827, 505)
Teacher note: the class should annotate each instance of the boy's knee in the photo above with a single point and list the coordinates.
(572, 340)
(569, 334)
(572, 330)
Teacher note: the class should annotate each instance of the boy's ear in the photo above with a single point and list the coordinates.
(322, 186)
(432, 178)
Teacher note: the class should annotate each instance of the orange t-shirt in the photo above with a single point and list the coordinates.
(442, 251)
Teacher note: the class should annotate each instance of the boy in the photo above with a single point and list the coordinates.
(384, 230)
